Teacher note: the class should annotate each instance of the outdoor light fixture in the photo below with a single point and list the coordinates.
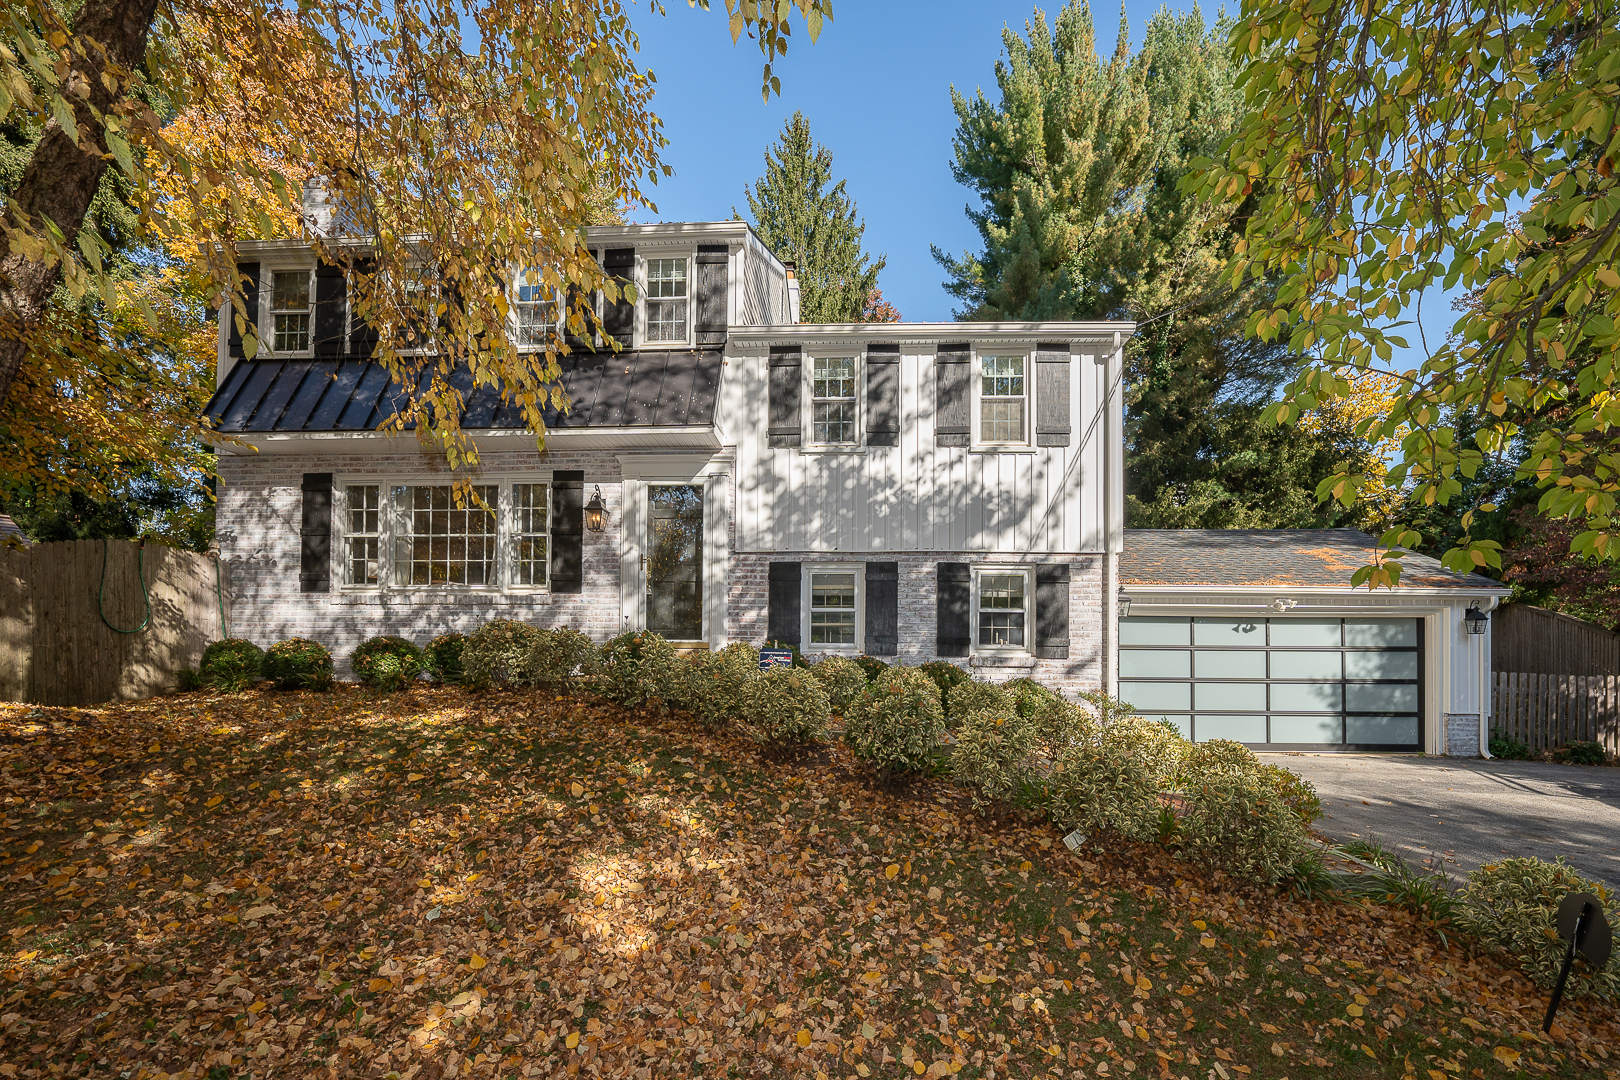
(596, 511)
(1124, 603)
(1283, 603)
(1475, 620)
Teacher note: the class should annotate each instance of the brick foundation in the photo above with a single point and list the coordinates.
(1462, 735)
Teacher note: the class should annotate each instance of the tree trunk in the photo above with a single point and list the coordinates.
(61, 177)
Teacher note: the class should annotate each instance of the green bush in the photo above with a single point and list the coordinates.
(554, 656)
(896, 724)
(443, 657)
(710, 685)
(871, 666)
(1161, 746)
(230, 665)
(636, 667)
(1029, 696)
(1104, 785)
(1581, 753)
(974, 696)
(1060, 724)
(298, 664)
(994, 752)
(1236, 819)
(784, 707)
(387, 663)
(947, 676)
(1295, 791)
(1508, 748)
(497, 653)
(1511, 906)
(841, 678)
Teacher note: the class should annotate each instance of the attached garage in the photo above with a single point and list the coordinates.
(1256, 636)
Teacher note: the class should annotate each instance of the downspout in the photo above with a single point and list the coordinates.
(1485, 702)
(1113, 509)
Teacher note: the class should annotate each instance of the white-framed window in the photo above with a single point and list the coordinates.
(1003, 609)
(834, 404)
(419, 320)
(534, 314)
(291, 296)
(833, 606)
(441, 543)
(1002, 401)
(530, 551)
(668, 310)
(362, 504)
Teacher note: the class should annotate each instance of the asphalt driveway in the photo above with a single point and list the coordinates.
(1455, 814)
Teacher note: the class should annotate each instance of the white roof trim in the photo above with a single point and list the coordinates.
(1099, 334)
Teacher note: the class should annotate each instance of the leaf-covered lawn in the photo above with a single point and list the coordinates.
(441, 884)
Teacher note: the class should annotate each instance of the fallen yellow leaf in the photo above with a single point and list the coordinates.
(31, 848)
(919, 1067)
(577, 789)
(572, 1040)
(379, 985)
(1143, 983)
(1026, 865)
(413, 777)
(1207, 942)
(1199, 924)
(424, 883)
(1353, 1010)
(804, 1036)
(154, 748)
(891, 870)
(215, 801)
(476, 962)
(1506, 1055)
(1141, 1033)
(985, 979)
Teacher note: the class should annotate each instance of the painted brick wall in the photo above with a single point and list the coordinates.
(1462, 735)
(749, 597)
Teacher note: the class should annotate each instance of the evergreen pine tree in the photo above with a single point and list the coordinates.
(803, 220)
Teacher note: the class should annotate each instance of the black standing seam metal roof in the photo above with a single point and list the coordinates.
(654, 388)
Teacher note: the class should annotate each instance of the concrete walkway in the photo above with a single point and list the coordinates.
(1455, 814)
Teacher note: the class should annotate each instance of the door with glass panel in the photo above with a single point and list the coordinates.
(1288, 683)
(675, 561)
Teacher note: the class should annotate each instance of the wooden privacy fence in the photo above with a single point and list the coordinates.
(62, 606)
(1526, 638)
(1548, 711)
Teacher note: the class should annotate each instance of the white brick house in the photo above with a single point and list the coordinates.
(906, 490)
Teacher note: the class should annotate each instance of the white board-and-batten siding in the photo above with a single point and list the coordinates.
(918, 496)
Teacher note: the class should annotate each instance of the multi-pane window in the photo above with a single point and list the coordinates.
(1002, 609)
(832, 400)
(363, 533)
(536, 315)
(1001, 400)
(443, 543)
(421, 315)
(290, 310)
(666, 300)
(529, 534)
(832, 608)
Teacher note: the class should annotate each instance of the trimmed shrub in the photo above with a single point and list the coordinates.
(554, 656)
(1512, 906)
(1298, 793)
(947, 676)
(896, 724)
(1161, 746)
(1104, 785)
(871, 666)
(636, 667)
(1029, 696)
(386, 663)
(497, 654)
(1581, 753)
(841, 678)
(710, 685)
(1060, 724)
(1236, 819)
(974, 696)
(443, 657)
(994, 753)
(784, 707)
(298, 664)
(230, 665)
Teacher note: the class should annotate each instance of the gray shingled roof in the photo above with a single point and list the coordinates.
(1269, 558)
(654, 388)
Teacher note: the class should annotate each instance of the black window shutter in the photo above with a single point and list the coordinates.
(953, 382)
(711, 316)
(782, 621)
(785, 426)
(883, 608)
(952, 610)
(315, 538)
(1052, 611)
(619, 316)
(329, 310)
(579, 342)
(883, 397)
(567, 531)
(1052, 424)
(250, 309)
(362, 337)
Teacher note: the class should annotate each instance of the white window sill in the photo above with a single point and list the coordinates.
(664, 345)
(834, 448)
(1001, 448)
(1010, 659)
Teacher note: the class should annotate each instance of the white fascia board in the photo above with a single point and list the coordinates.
(697, 437)
(1257, 600)
(1099, 334)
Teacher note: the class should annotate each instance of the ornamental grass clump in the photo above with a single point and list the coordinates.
(1511, 906)
(497, 654)
(230, 665)
(783, 708)
(554, 656)
(896, 725)
(1235, 817)
(387, 663)
(443, 657)
(994, 754)
(298, 664)
(635, 668)
(841, 678)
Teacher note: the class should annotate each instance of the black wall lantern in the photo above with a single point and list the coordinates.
(1475, 620)
(596, 511)
(1124, 604)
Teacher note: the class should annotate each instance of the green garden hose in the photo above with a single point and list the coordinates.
(140, 573)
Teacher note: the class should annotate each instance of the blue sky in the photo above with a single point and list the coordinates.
(876, 90)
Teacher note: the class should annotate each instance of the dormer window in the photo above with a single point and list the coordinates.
(292, 306)
(667, 307)
(421, 311)
(534, 311)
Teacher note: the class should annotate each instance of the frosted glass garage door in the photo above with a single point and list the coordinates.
(1286, 683)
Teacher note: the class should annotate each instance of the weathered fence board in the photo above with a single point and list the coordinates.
(1537, 641)
(1548, 711)
(57, 649)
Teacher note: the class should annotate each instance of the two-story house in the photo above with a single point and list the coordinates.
(909, 491)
